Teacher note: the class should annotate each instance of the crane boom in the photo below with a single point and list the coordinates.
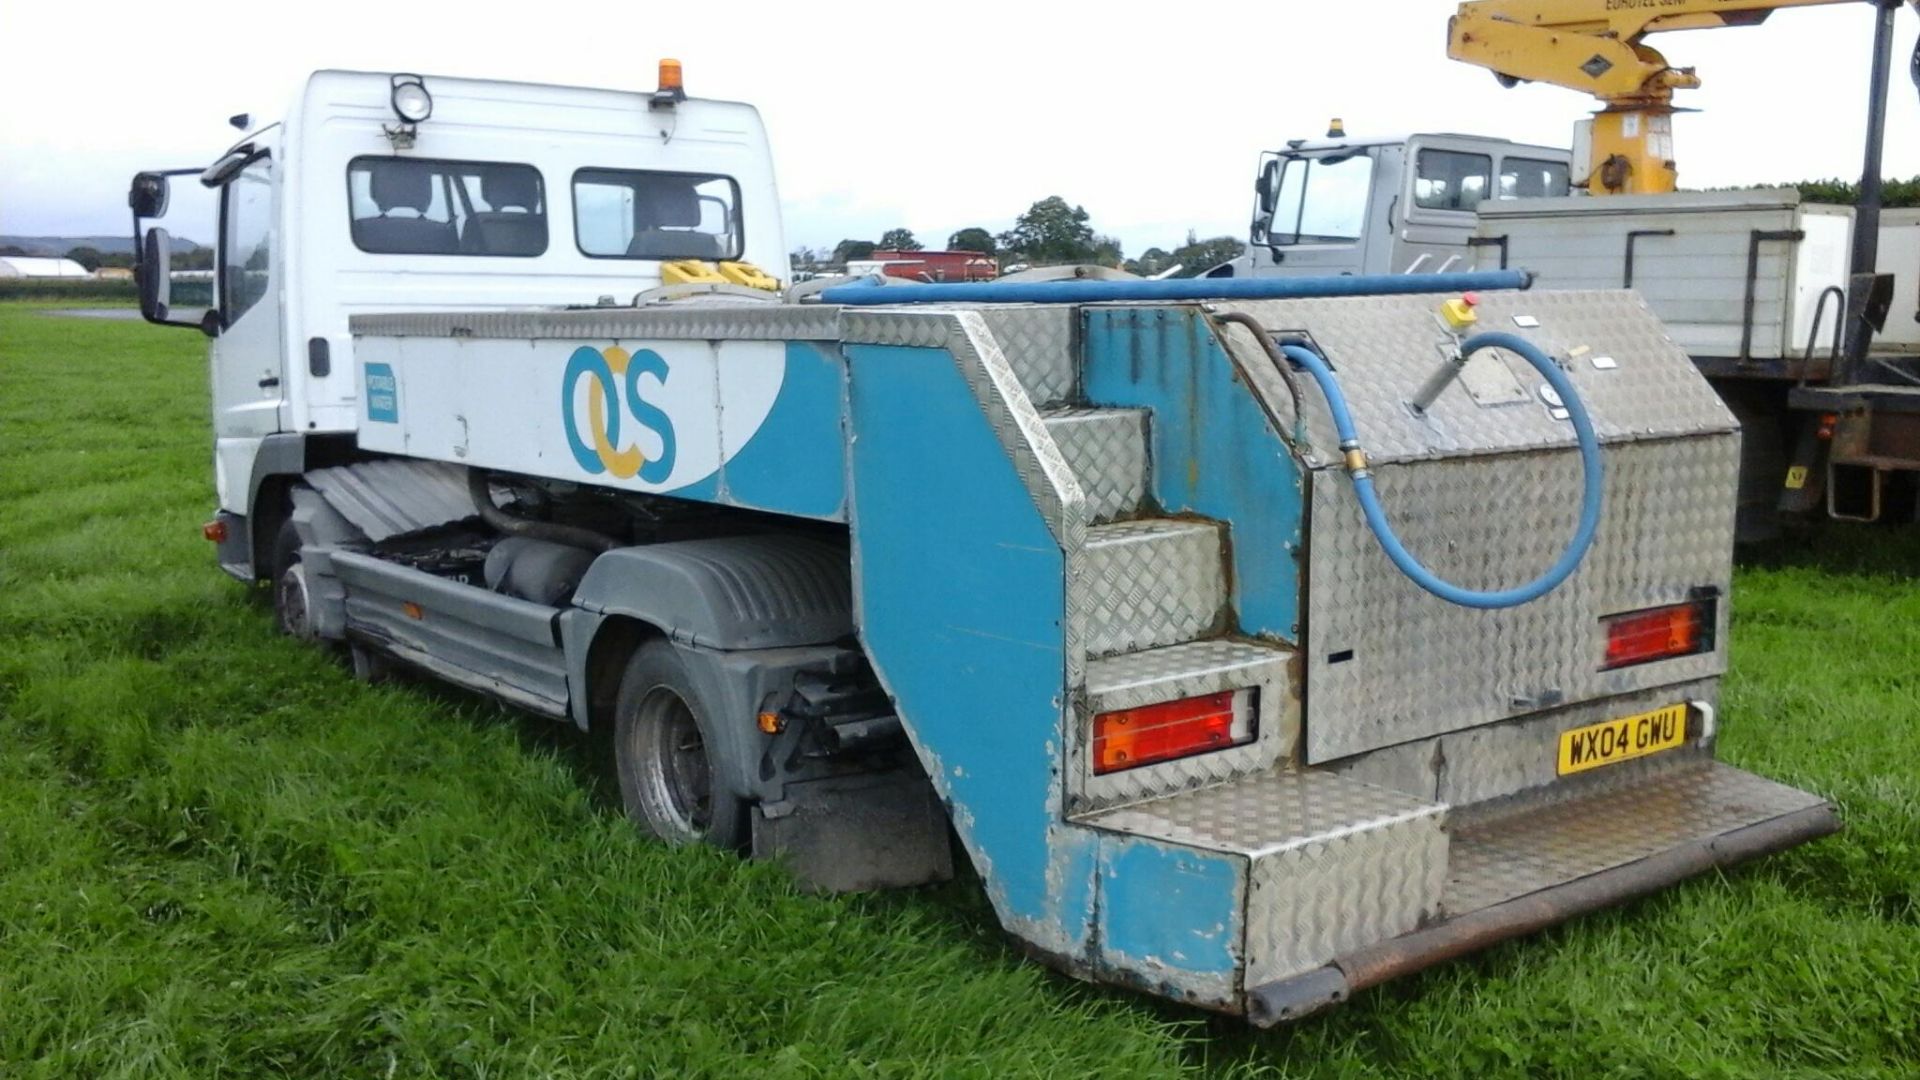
(1597, 46)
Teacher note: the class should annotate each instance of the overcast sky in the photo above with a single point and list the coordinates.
(933, 117)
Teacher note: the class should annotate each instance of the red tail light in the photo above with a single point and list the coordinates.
(1130, 738)
(1639, 637)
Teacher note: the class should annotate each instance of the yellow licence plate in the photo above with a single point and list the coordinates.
(1623, 739)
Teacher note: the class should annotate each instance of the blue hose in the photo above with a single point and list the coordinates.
(1591, 467)
(1077, 291)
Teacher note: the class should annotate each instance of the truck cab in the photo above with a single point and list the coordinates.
(381, 193)
(1384, 205)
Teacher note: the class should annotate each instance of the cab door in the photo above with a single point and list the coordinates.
(1446, 182)
(1315, 213)
(248, 387)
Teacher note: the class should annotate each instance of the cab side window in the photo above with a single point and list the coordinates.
(636, 214)
(421, 206)
(1451, 180)
(1528, 178)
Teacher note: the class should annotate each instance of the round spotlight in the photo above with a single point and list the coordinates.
(411, 102)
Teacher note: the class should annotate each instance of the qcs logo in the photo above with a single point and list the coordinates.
(613, 381)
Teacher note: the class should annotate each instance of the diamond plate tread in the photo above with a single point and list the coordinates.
(1138, 678)
(1156, 581)
(1107, 451)
(1038, 342)
(1533, 844)
(1267, 813)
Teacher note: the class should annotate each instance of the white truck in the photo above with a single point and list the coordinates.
(1119, 583)
(1753, 284)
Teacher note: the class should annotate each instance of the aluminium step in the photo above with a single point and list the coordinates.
(1107, 451)
(1340, 884)
(1151, 582)
(1565, 832)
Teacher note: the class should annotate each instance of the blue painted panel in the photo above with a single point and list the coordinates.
(796, 462)
(1213, 452)
(1164, 907)
(961, 596)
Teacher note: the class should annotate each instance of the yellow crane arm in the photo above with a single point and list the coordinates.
(1596, 46)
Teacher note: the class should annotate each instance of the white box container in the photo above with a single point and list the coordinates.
(1691, 260)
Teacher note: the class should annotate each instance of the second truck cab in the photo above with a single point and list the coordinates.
(1384, 205)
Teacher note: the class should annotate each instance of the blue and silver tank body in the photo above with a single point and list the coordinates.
(1064, 508)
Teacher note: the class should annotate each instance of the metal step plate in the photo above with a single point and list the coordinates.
(1038, 342)
(1333, 864)
(1150, 677)
(1107, 451)
(1531, 843)
(1153, 582)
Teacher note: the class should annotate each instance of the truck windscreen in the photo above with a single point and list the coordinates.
(1322, 200)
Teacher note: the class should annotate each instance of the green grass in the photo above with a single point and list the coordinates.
(220, 856)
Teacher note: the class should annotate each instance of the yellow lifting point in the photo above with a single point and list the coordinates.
(697, 272)
(745, 273)
(689, 272)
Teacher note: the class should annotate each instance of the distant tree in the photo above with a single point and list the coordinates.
(198, 258)
(1151, 261)
(123, 259)
(13, 249)
(899, 240)
(973, 238)
(1198, 256)
(1106, 251)
(848, 250)
(804, 258)
(87, 257)
(1051, 231)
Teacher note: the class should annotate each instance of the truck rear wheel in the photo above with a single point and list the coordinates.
(664, 753)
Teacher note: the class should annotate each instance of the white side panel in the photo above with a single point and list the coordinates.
(1695, 276)
(641, 415)
(1820, 262)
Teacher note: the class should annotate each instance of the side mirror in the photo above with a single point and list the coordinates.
(155, 273)
(1266, 188)
(1267, 185)
(148, 195)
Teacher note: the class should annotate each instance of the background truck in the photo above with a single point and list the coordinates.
(1805, 317)
(1119, 583)
(928, 266)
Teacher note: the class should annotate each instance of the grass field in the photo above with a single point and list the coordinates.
(220, 856)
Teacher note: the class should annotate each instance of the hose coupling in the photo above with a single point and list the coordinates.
(1356, 458)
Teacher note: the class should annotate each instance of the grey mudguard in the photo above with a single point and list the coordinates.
(734, 592)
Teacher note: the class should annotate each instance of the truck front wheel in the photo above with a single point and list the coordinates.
(291, 605)
(664, 753)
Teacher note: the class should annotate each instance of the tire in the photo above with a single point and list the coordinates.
(291, 602)
(664, 754)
